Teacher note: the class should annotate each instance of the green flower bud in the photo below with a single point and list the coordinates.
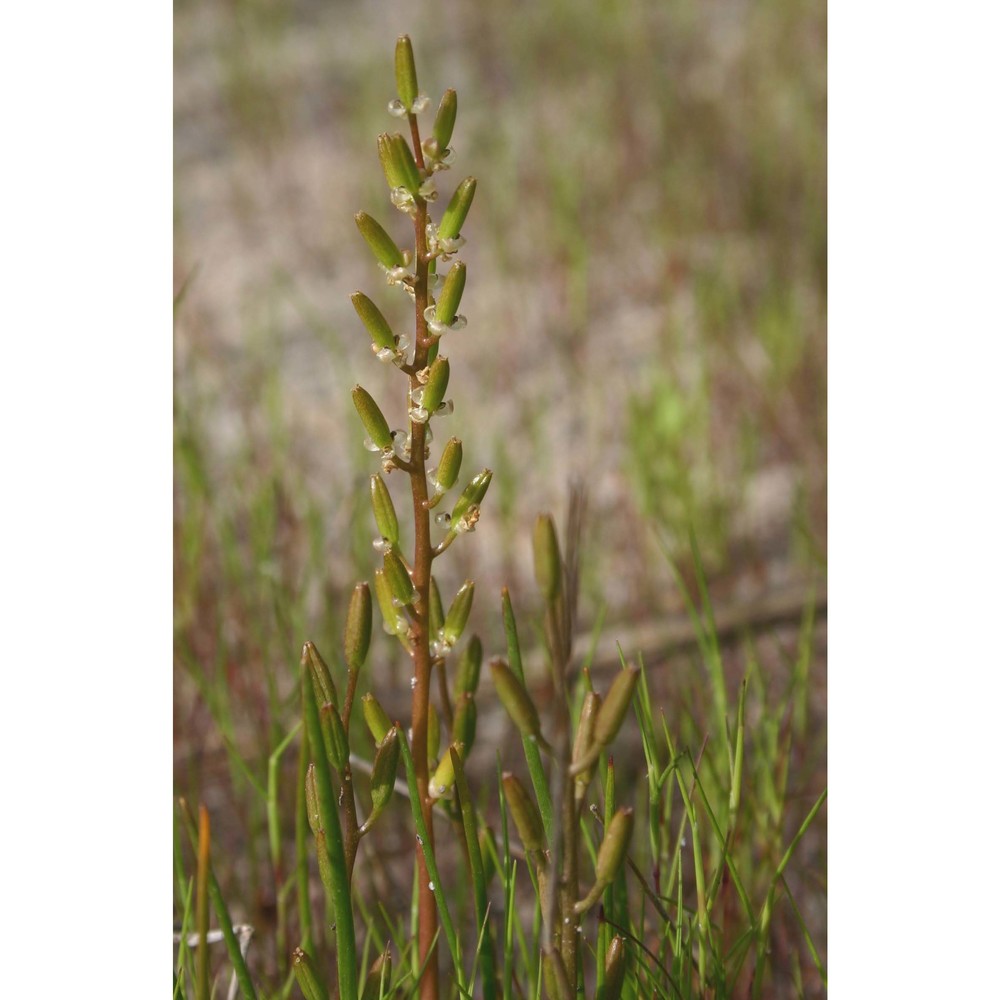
(548, 562)
(450, 464)
(379, 241)
(458, 613)
(444, 122)
(383, 779)
(385, 513)
(458, 208)
(442, 783)
(376, 717)
(387, 158)
(451, 294)
(463, 727)
(375, 323)
(406, 72)
(616, 703)
(406, 166)
(312, 800)
(436, 609)
(319, 673)
(392, 620)
(307, 976)
(611, 854)
(467, 673)
(614, 968)
(379, 977)
(371, 417)
(358, 630)
(527, 818)
(398, 577)
(433, 392)
(516, 700)
(472, 495)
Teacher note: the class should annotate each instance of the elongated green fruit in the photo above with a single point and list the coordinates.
(548, 562)
(451, 294)
(383, 779)
(458, 208)
(393, 621)
(375, 323)
(371, 416)
(526, 815)
(307, 976)
(406, 167)
(616, 703)
(386, 157)
(358, 628)
(458, 613)
(463, 727)
(451, 462)
(444, 121)
(399, 579)
(437, 385)
(516, 700)
(614, 969)
(436, 609)
(384, 511)
(379, 241)
(472, 494)
(469, 666)
(611, 854)
(406, 72)
(376, 718)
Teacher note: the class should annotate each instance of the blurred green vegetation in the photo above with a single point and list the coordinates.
(647, 298)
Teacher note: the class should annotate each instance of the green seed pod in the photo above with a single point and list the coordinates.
(585, 739)
(334, 736)
(406, 167)
(442, 783)
(358, 629)
(379, 241)
(458, 208)
(383, 779)
(376, 717)
(515, 699)
(433, 733)
(406, 72)
(387, 158)
(436, 609)
(393, 622)
(458, 613)
(379, 977)
(307, 976)
(437, 385)
(451, 294)
(548, 562)
(371, 417)
(398, 577)
(611, 854)
(375, 323)
(614, 968)
(472, 494)
(312, 800)
(444, 122)
(467, 673)
(526, 815)
(450, 464)
(319, 673)
(463, 727)
(616, 703)
(384, 511)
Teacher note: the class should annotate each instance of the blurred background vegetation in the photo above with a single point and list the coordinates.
(646, 303)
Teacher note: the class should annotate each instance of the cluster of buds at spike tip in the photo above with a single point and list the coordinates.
(386, 346)
(465, 513)
(427, 400)
(446, 238)
(391, 259)
(410, 101)
(609, 718)
(437, 153)
(443, 315)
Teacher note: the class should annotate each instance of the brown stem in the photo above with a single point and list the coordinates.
(427, 920)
